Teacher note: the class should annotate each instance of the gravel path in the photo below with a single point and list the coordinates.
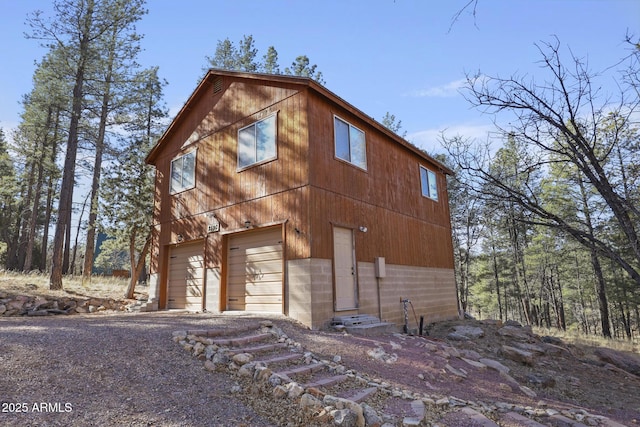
(112, 369)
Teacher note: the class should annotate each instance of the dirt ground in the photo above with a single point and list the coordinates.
(574, 376)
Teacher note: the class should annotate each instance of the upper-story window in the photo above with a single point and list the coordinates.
(429, 183)
(257, 142)
(350, 143)
(183, 172)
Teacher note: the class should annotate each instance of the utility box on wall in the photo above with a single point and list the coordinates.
(381, 269)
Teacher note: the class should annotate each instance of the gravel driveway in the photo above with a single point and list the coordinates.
(112, 369)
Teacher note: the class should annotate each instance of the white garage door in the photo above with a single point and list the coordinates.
(186, 274)
(254, 281)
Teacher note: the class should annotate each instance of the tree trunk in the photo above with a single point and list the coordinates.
(597, 269)
(68, 176)
(136, 266)
(50, 192)
(26, 214)
(496, 278)
(561, 314)
(37, 194)
(95, 183)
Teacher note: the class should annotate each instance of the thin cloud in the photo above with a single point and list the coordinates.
(447, 90)
(429, 139)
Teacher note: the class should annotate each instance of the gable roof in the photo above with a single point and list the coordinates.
(213, 73)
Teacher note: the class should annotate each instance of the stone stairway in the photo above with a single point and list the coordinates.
(264, 360)
(261, 357)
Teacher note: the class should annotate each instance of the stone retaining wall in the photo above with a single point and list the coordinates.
(25, 305)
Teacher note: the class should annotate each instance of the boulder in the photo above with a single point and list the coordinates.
(294, 390)
(493, 364)
(310, 403)
(519, 333)
(533, 348)
(472, 332)
(340, 403)
(455, 336)
(371, 417)
(517, 355)
(344, 418)
(551, 340)
(540, 380)
(624, 361)
(242, 358)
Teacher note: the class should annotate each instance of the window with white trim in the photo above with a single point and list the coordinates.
(428, 183)
(183, 172)
(350, 143)
(257, 142)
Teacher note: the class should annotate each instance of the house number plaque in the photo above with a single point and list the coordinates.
(213, 227)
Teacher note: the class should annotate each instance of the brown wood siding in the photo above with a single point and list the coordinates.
(404, 226)
(401, 239)
(258, 193)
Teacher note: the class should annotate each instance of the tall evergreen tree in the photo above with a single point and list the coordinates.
(8, 190)
(228, 56)
(77, 31)
(38, 137)
(108, 89)
(270, 61)
(128, 186)
(302, 67)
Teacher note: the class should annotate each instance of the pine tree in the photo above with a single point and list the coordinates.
(76, 32)
(120, 47)
(8, 190)
(270, 62)
(129, 184)
(243, 58)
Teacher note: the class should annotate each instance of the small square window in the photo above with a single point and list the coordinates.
(428, 183)
(257, 142)
(350, 143)
(183, 172)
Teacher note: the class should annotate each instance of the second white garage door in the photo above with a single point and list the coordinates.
(254, 281)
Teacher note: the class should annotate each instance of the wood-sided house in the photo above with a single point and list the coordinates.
(273, 194)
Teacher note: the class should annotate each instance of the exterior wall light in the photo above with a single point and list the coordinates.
(247, 224)
(363, 229)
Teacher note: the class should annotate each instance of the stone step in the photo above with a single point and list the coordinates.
(516, 420)
(282, 358)
(258, 348)
(477, 418)
(240, 341)
(301, 370)
(209, 333)
(363, 394)
(326, 382)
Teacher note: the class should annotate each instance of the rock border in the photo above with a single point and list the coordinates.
(27, 305)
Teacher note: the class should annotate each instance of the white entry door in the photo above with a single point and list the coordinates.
(344, 269)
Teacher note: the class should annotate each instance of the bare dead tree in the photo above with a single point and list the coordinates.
(559, 120)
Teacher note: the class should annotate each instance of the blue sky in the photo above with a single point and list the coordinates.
(400, 56)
